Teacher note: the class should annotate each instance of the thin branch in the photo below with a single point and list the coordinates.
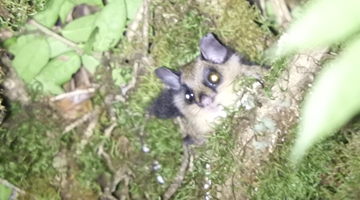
(133, 28)
(281, 11)
(144, 49)
(145, 30)
(132, 83)
(11, 186)
(56, 36)
(83, 119)
(88, 131)
(180, 176)
(73, 93)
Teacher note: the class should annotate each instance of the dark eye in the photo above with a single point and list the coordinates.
(189, 96)
(213, 78)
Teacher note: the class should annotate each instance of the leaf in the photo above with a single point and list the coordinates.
(58, 71)
(65, 10)
(89, 43)
(49, 16)
(90, 63)
(132, 7)
(111, 23)
(117, 77)
(20, 42)
(333, 101)
(121, 76)
(80, 29)
(325, 22)
(31, 58)
(5, 192)
(88, 2)
(57, 47)
(46, 87)
(9, 42)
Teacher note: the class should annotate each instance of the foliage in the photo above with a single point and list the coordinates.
(174, 43)
(45, 62)
(5, 192)
(333, 101)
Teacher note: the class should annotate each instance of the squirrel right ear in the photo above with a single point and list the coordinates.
(169, 78)
(212, 50)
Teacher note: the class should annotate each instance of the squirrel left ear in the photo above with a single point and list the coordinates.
(212, 50)
(169, 77)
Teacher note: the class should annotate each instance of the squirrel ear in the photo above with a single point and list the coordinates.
(169, 77)
(212, 50)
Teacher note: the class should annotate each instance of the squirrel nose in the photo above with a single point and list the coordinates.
(205, 100)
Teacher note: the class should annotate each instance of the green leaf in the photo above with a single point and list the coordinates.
(89, 43)
(323, 23)
(46, 87)
(88, 2)
(31, 58)
(80, 29)
(111, 23)
(20, 42)
(121, 76)
(57, 47)
(49, 16)
(65, 10)
(9, 42)
(58, 71)
(5, 192)
(333, 101)
(90, 63)
(132, 7)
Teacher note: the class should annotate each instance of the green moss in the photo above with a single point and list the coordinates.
(237, 26)
(177, 27)
(329, 171)
(15, 13)
(177, 37)
(277, 68)
(26, 148)
(42, 189)
(162, 137)
(175, 43)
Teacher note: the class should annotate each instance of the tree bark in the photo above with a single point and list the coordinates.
(277, 115)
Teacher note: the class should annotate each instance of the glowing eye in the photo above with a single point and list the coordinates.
(189, 96)
(214, 78)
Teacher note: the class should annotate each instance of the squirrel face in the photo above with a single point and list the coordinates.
(203, 87)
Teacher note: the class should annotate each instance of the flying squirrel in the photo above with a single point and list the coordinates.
(201, 89)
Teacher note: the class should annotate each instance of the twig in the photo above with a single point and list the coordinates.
(282, 12)
(73, 93)
(132, 28)
(132, 83)
(11, 186)
(56, 36)
(86, 117)
(263, 7)
(145, 28)
(144, 49)
(107, 158)
(180, 176)
(285, 10)
(101, 151)
(108, 131)
(88, 131)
